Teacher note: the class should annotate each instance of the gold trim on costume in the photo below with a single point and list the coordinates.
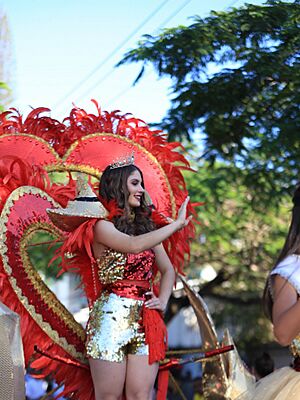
(86, 169)
(47, 295)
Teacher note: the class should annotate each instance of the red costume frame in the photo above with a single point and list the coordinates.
(29, 151)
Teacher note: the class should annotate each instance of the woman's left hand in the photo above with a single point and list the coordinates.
(154, 302)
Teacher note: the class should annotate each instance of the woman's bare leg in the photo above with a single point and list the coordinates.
(140, 378)
(108, 379)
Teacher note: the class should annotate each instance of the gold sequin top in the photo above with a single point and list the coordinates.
(115, 267)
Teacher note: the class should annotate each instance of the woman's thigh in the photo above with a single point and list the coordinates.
(108, 379)
(140, 378)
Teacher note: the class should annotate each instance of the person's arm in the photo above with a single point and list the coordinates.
(166, 282)
(106, 234)
(285, 312)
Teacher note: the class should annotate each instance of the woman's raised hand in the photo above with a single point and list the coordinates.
(181, 217)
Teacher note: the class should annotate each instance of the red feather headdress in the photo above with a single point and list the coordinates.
(30, 150)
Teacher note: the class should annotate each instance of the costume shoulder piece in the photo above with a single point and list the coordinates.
(289, 269)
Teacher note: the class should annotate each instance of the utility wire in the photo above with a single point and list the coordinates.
(231, 4)
(123, 92)
(111, 54)
(173, 15)
(112, 70)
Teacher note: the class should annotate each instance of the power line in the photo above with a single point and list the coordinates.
(174, 14)
(112, 53)
(231, 4)
(112, 70)
(109, 73)
(123, 92)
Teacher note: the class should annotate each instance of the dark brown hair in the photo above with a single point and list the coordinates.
(291, 246)
(113, 187)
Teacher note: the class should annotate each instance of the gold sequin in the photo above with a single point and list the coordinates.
(115, 324)
(114, 329)
(111, 266)
(295, 346)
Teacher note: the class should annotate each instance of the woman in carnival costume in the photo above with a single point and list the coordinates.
(126, 336)
(113, 244)
(282, 306)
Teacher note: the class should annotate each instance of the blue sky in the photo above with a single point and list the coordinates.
(57, 44)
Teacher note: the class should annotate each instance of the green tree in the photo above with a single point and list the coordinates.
(236, 83)
(235, 86)
(42, 244)
(3, 89)
(237, 241)
(41, 249)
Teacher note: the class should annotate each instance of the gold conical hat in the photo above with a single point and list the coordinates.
(86, 205)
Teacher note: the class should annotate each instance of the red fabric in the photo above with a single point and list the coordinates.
(132, 289)
(156, 336)
(173, 362)
(155, 333)
(78, 244)
(162, 385)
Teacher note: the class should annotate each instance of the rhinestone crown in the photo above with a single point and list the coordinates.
(123, 162)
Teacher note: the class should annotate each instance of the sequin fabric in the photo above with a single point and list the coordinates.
(115, 324)
(114, 265)
(295, 346)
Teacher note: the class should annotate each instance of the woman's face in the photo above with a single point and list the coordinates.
(135, 189)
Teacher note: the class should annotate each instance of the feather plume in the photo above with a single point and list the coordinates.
(16, 172)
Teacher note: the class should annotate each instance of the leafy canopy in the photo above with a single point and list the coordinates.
(236, 83)
(240, 243)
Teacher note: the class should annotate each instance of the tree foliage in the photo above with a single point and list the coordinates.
(42, 246)
(41, 250)
(240, 243)
(3, 89)
(236, 83)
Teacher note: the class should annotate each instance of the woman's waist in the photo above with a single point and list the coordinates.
(129, 288)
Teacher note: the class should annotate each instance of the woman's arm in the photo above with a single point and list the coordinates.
(166, 283)
(106, 234)
(286, 311)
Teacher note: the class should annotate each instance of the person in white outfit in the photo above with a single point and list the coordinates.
(282, 305)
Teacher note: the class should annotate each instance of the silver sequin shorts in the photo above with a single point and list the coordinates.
(114, 328)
